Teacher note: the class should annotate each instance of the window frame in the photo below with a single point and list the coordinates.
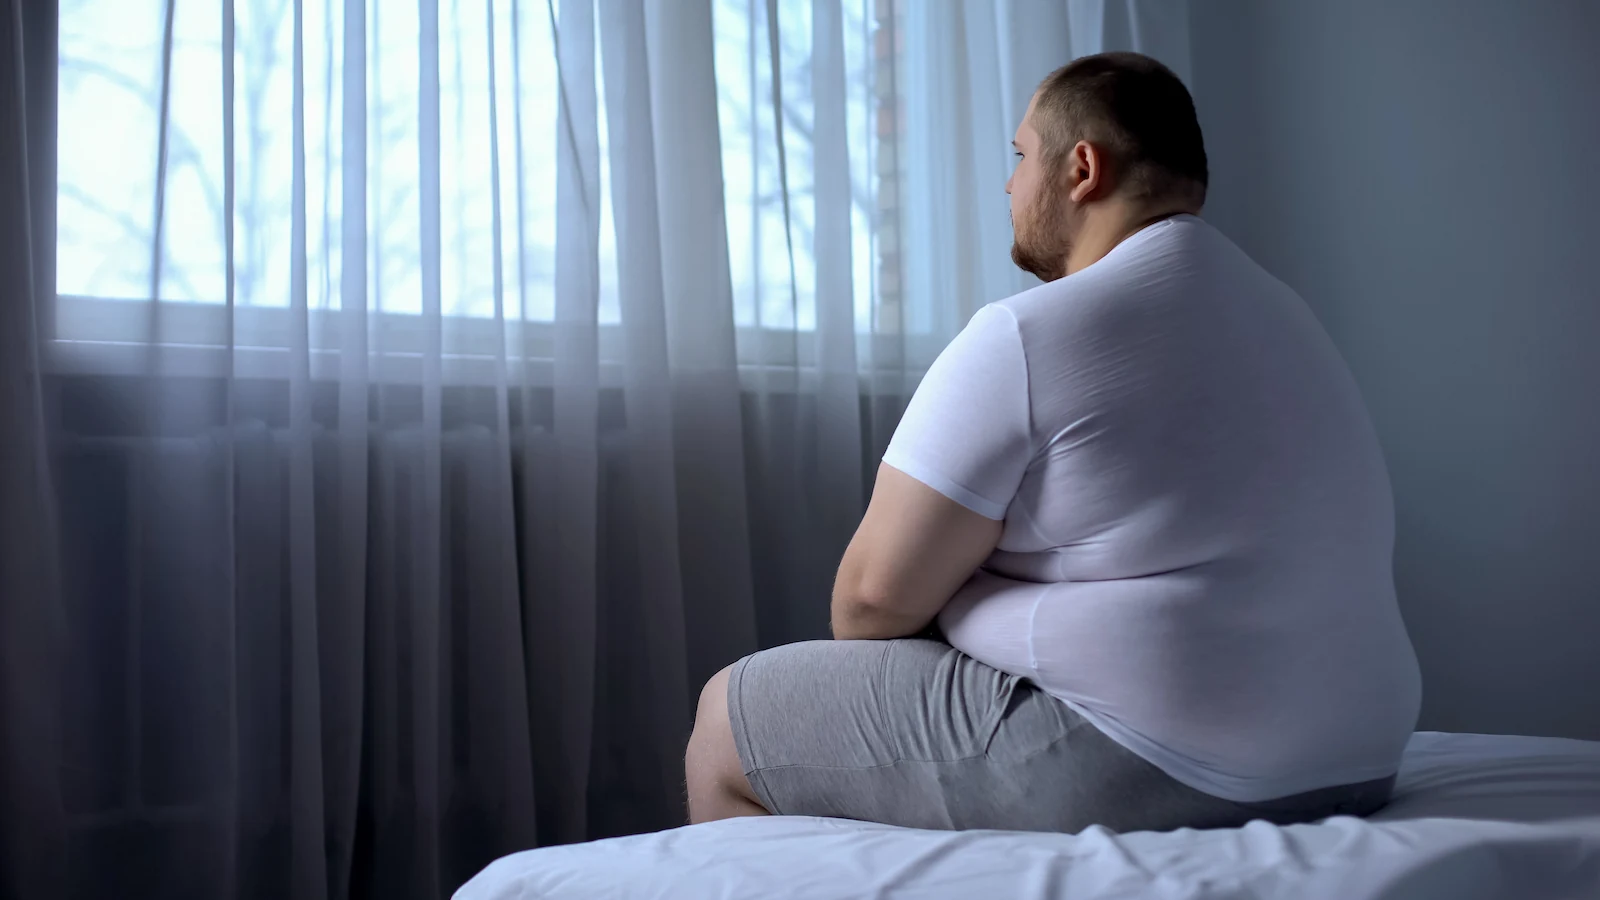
(93, 336)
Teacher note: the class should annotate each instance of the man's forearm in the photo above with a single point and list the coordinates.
(914, 549)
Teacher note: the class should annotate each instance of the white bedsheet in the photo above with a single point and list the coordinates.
(1474, 817)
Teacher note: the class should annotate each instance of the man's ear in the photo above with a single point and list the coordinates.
(1085, 172)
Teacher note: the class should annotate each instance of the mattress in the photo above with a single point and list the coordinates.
(1474, 817)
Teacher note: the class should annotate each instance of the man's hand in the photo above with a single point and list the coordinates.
(914, 549)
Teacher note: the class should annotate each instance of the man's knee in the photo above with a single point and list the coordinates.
(711, 724)
(712, 739)
(713, 706)
(712, 769)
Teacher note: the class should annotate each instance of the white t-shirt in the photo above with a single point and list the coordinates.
(1198, 523)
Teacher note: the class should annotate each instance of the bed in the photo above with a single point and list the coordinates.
(1474, 817)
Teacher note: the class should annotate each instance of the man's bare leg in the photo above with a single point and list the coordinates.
(716, 782)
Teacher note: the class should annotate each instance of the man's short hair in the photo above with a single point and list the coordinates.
(1136, 110)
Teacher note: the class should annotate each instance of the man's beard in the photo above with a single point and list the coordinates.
(1040, 244)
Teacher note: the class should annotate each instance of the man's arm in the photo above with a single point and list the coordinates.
(914, 549)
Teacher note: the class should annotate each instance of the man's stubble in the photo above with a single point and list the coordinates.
(1041, 242)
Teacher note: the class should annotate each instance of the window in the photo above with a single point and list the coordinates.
(111, 98)
(759, 235)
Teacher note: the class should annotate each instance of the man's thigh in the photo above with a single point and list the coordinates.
(913, 732)
(901, 731)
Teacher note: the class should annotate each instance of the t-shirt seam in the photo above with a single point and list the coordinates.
(1033, 631)
(1027, 385)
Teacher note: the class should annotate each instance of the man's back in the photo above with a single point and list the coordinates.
(1198, 523)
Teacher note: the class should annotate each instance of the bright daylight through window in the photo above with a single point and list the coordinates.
(111, 254)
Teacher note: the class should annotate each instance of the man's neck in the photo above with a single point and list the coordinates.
(1109, 225)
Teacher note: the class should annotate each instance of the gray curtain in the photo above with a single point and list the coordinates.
(415, 445)
(32, 823)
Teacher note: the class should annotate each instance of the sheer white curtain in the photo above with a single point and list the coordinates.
(436, 393)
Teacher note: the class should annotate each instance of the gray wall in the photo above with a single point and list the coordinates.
(1427, 175)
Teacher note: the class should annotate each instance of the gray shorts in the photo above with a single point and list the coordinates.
(913, 732)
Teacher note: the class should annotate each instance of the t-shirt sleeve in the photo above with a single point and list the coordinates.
(967, 432)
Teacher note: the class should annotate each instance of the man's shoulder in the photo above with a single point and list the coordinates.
(1077, 301)
(1178, 271)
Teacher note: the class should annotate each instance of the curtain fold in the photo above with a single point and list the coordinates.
(419, 401)
(837, 480)
(710, 465)
(343, 625)
(576, 417)
(32, 823)
(650, 454)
